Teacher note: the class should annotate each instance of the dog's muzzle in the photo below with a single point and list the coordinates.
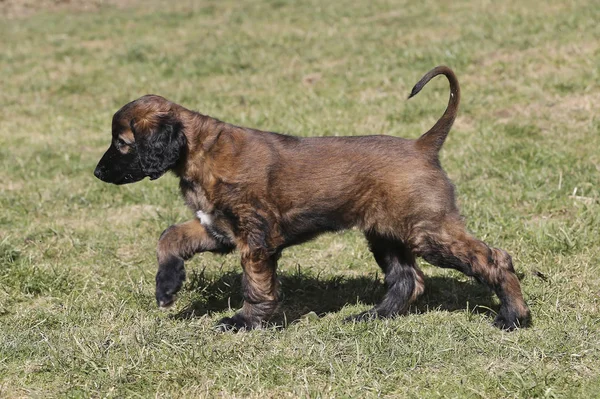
(118, 168)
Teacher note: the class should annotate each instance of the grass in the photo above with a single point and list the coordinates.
(77, 263)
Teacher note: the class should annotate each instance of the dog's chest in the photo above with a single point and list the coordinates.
(206, 219)
(217, 223)
(196, 199)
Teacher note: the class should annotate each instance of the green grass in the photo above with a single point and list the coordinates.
(77, 262)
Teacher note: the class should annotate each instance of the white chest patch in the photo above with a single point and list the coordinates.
(205, 218)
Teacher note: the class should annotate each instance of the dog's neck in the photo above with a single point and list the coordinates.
(198, 129)
(201, 133)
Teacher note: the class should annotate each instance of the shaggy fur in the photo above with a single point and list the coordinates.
(261, 192)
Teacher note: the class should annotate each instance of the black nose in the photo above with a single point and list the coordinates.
(99, 173)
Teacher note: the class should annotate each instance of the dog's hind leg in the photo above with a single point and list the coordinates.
(176, 244)
(448, 245)
(403, 278)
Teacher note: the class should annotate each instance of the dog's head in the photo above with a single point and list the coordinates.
(147, 140)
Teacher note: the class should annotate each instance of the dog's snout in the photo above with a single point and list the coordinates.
(99, 173)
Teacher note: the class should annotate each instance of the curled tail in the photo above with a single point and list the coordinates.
(433, 140)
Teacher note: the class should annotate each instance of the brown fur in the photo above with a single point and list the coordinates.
(266, 191)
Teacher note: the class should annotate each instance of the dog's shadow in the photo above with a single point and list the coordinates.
(304, 293)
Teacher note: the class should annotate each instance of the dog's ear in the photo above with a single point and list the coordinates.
(159, 145)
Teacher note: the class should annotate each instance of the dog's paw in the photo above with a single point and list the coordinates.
(167, 286)
(166, 301)
(508, 320)
(367, 315)
(233, 324)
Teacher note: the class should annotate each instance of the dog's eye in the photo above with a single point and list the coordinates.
(121, 143)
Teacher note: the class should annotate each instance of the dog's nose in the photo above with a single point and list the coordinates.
(98, 173)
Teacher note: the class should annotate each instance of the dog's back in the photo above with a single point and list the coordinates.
(333, 183)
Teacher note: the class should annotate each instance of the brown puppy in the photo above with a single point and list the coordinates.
(261, 192)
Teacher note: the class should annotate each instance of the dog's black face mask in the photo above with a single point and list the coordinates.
(119, 168)
(152, 152)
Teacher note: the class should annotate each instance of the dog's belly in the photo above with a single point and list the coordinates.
(302, 227)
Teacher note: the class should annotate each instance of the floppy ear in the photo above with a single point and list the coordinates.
(161, 148)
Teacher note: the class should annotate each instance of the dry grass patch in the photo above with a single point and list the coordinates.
(27, 8)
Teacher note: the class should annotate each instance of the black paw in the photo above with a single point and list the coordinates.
(367, 315)
(508, 320)
(168, 284)
(233, 324)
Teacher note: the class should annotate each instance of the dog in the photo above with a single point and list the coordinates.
(261, 192)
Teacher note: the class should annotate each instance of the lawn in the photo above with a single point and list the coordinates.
(78, 316)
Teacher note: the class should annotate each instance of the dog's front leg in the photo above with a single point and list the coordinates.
(176, 244)
(260, 290)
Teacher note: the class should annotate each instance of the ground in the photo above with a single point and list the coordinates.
(77, 311)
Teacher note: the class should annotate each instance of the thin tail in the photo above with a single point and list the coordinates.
(434, 138)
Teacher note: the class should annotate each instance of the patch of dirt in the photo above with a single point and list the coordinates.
(128, 214)
(128, 252)
(464, 122)
(124, 216)
(11, 186)
(311, 79)
(26, 8)
(575, 109)
(542, 60)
